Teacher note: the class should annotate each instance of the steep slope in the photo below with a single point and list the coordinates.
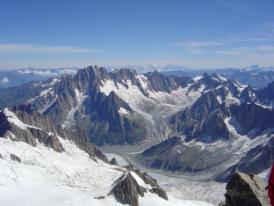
(24, 124)
(219, 159)
(41, 173)
(228, 128)
(114, 108)
(217, 118)
(12, 127)
(245, 189)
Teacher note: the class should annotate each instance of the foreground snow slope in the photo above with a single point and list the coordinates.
(46, 177)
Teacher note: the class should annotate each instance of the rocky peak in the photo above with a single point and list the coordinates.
(232, 87)
(248, 95)
(160, 82)
(245, 190)
(211, 81)
(124, 74)
(205, 118)
(126, 190)
(108, 106)
(132, 184)
(219, 78)
(115, 101)
(28, 115)
(206, 82)
(166, 83)
(208, 102)
(15, 129)
(91, 76)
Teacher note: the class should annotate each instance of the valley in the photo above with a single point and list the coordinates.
(136, 103)
(190, 134)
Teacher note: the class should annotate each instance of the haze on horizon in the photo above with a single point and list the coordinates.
(195, 34)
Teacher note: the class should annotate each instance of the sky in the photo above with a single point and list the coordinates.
(190, 33)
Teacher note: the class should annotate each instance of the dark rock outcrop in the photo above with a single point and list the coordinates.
(160, 192)
(41, 129)
(15, 158)
(252, 116)
(79, 137)
(204, 120)
(150, 181)
(126, 190)
(48, 139)
(113, 161)
(245, 190)
(177, 155)
(266, 95)
(107, 126)
(29, 134)
(161, 82)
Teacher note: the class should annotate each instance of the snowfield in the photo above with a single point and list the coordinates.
(155, 107)
(46, 177)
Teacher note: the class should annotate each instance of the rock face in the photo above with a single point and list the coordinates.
(156, 189)
(176, 155)
(225, 112)
(15, 158)
(25, 124)
(245, 190)
(89, 100)
(205, 118)
(251, 116)
(79, 137)
(127, 188)
(113, 161)
(160, 82)
(15, 129)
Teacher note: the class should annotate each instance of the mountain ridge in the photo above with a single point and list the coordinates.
(124, 107)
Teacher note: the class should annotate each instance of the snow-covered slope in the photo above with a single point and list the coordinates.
(46, 177)
(39, 175)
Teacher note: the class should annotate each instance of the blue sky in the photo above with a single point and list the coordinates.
(192, 33)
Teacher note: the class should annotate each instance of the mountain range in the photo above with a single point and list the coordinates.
(253, 75)
(205, 124)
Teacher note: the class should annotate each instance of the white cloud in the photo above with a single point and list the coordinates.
(265, 48)
(197, 44)
(246, 50)
(41, 48)
(4, 80)
(234, 51)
